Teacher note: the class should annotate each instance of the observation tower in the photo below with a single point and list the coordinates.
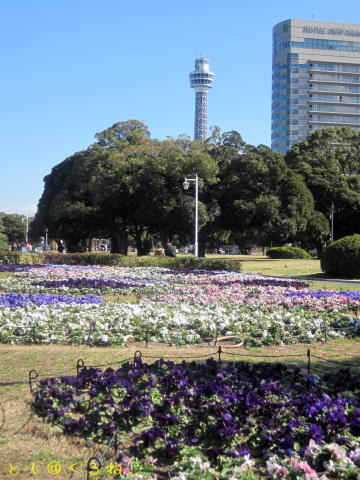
(201, 79)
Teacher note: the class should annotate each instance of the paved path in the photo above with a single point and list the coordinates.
(333, 280)
(318, 279)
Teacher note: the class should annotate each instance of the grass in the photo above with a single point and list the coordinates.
(288, 267)
(121, 298)
(334, 286)
(284, 267)
(25, 439)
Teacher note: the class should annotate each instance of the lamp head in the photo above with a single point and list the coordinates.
(186, 185)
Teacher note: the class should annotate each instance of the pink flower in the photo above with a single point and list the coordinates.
(311, 448)
(274, 468)
(307, 469)
(338, 451)
(299, 466)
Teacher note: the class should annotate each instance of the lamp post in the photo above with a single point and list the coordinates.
(27, 228)
(332, 221)
(46, 239)
(186, 185)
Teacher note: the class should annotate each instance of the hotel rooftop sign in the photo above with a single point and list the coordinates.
(332, 31)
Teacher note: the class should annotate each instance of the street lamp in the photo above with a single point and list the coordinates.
(186, 185)
(27, 228)
(46, 239)
(332, 221)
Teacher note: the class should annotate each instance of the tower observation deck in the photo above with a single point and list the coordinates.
(201, 79)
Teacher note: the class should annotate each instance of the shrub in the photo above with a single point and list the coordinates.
(88, 258)
(177, 263)
(287, 252)
(342, 258)
(20, 257)
(101, 258)
(193, 263)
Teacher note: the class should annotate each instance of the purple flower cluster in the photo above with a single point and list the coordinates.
(92, 283)
(17, 267)
(233, 410)
(19, 300)
(349, 294)
(21, 267)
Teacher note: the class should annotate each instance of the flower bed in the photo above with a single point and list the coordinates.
(113, 323)
(20, 300)
(178, 308)
(214, 421)
(167, 286)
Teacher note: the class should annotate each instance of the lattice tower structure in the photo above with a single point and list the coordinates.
(201, 79)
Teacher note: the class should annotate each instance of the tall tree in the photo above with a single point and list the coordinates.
(141, 186)
(122, 134)
(125, 184)
(4, 241)
(258, 195)
(66, 206)
(329, 162)
(14, 227)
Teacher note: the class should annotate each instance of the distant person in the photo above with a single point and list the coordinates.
(61, 247)
(159, 251)
(170, 251)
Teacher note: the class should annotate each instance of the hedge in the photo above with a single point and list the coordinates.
(287, 252)
(100, 258)
(20, 257)
(342, 258)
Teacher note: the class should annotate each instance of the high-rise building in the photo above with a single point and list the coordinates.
(315, 79)
(201, 79)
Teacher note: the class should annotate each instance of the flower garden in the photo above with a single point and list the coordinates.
(64, 305)
(193, 420)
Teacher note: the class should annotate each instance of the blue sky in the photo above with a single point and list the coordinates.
(71, 68)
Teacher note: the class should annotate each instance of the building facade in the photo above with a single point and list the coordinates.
(315, 79)
(201, 79)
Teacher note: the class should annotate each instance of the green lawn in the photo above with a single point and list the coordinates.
(268, 266)
(288, 268)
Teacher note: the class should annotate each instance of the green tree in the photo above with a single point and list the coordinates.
(122, 134)
(4, 241)
(141, 188)
(259, 197)
(317, 233)
(329, 162)
(14, 227)
(66, 206)
(124, 185)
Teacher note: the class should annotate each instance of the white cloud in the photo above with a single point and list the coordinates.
(28, 210)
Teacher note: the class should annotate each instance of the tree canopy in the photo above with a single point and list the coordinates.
(124, 187)
(4, 241)
(14, 227)
(329, 162)
(129, 185)
(258, 195)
